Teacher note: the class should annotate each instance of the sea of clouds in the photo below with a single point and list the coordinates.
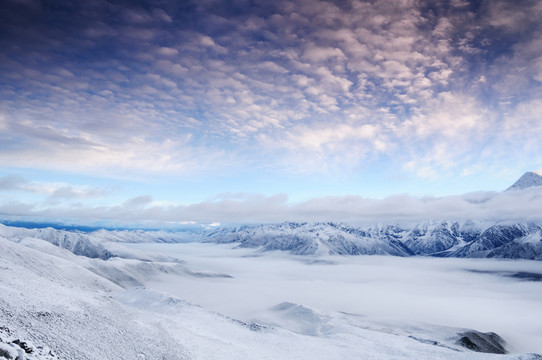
(468, 293)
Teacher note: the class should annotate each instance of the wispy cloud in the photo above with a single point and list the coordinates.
(53, 191)
(12, 182)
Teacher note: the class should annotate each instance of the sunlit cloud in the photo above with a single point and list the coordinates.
(306, 87)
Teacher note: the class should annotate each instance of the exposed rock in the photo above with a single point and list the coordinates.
(482, 342)
(17, 349)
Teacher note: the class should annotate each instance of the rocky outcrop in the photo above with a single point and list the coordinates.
(482, 342)
(13, 348)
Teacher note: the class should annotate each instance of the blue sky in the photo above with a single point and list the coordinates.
(109, 110)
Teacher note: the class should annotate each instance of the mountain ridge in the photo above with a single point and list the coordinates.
(452, 238)
(439, 239)
(529, 179)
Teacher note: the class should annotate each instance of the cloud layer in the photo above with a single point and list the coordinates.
(143, 211)
(309, 86)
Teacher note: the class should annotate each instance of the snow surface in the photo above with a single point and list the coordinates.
(164, 301)
(527, 180)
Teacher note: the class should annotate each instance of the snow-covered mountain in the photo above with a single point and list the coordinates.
(436, 237)
(90, 244)
(442, 239)
(527, 180)
(310, 239)
(79, 243)
(331, 238)
(528, 246)
(494, 238)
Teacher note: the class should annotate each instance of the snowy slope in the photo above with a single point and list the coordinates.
(50, 297)
(57, 302)
(78, 243)
(90, 244)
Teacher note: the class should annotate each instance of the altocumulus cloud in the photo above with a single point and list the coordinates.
(309, 86)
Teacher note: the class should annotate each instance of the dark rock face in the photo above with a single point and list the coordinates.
(16, 349)
(23, 345)
(482, 342)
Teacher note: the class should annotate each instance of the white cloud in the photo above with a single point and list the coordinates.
(53, 191)
(138, 201)
(12, 182)
(168, 98)
(318, 54)
(473, 293)
(167, 51)
(88, 152)
(207, 41)
(522, 205)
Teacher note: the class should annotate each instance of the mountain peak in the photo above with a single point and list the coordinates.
(530, 178)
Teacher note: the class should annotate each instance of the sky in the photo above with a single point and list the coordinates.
(213, 111)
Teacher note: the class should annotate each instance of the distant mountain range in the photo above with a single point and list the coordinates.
(442, 239)
(450, 238)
